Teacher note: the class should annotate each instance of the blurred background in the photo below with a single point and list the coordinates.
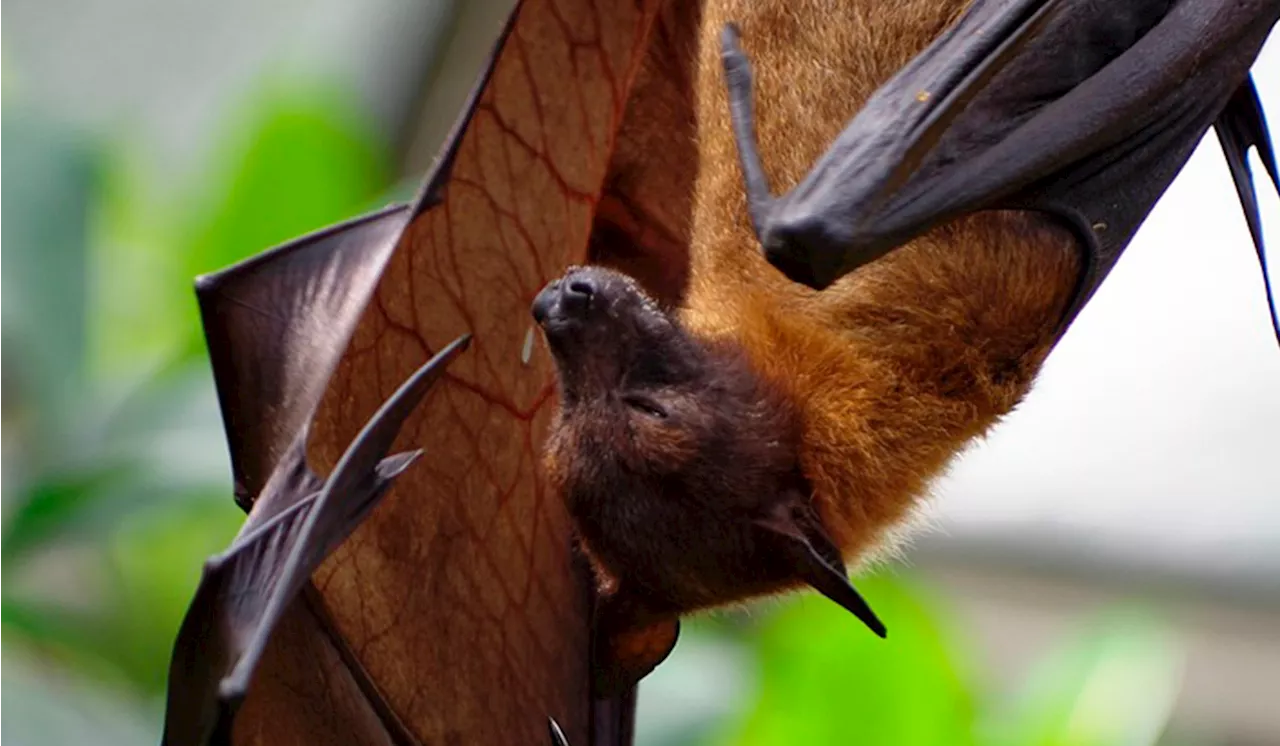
(1105, 569)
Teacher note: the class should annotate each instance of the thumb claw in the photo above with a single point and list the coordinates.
(557, 735)
(394, 465)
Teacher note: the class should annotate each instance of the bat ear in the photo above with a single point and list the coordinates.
(628, 643)
(816, 559)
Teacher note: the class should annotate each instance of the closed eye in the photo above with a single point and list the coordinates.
(645, 405)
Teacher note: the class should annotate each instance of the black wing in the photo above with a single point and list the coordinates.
(1082, 109)
(276, 325)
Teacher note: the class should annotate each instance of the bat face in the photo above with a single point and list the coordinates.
(607, 335)
(633, 378)
(661, 441)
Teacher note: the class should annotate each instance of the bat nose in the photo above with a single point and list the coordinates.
(577, 295)
(566, 298)
(576, 291)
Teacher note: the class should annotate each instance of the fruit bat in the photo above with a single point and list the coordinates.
(459, 589)
(757, 435)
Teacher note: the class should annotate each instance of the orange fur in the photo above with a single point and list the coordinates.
(898, 366)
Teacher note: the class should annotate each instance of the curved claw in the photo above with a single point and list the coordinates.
(357, 482)
(1240, 127)
(557, 735)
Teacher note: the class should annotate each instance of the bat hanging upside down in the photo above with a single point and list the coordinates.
(785, 419)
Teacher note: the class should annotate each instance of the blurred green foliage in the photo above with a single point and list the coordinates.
(116, 483)
(804, 673)
(292, 160)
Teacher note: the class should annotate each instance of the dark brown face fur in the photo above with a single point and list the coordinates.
(666, 450)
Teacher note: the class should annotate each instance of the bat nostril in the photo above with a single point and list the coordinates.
(576, 296)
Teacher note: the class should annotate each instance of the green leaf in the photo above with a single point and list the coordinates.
(1114, 684)
(59, 505)
(171, 426)
(826, 679)
(297, 161)
(141, 289)
(292, 159)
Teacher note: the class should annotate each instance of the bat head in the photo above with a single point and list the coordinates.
(607, 335)
(681, 433)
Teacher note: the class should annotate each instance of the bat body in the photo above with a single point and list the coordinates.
(764, 433)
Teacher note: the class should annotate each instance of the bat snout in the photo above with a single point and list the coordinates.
(565, 301)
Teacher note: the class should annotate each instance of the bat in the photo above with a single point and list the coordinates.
(451, 608)
(770, 427)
